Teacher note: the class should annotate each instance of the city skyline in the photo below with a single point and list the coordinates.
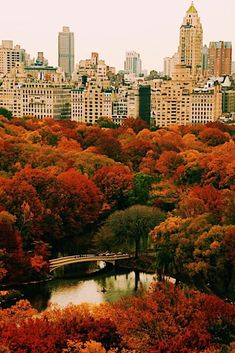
(112, 31)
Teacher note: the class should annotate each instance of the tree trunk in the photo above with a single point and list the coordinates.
(137, 248)
(137, 279)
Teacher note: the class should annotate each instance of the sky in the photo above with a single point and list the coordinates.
(112, 27)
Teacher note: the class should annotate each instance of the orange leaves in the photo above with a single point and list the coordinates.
(201, 200)
(168, 319)
(114, 182)
(38, 263)
(213, 136)
(165, 319)
(136, 124)
(135, 150)
(168, 162)
(80, 200)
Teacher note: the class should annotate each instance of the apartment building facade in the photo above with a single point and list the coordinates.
(183, 103)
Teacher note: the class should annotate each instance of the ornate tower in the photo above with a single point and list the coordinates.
(191, 41)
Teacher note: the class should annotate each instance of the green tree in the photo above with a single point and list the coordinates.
(6, 113)
(142, 185)
(106, 123)
(129, 229)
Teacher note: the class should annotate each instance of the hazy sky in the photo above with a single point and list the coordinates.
(150, 27)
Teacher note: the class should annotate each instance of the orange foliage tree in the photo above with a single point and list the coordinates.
(115, 182)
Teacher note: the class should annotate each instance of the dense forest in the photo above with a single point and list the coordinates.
(169, 189)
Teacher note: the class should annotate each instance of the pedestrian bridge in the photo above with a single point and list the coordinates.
(68, 260)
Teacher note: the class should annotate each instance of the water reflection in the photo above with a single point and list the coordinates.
(77, 291)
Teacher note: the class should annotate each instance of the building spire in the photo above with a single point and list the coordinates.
(192, 8)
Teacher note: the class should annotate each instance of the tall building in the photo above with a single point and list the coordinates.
(145, 103)
(191, 41)
(9, 56)
(66, 51)
(220, 58)
(205, 52)
(169, 64)
(133, 63)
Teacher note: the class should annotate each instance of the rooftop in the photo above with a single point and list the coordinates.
(192, 9)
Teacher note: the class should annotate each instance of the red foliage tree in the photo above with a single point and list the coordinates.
(168, 319)
(135, 151)
(21, 199)
(213, 136)
(15, 261)
(168, 163)
(80, 201)
(199, 200)
(110, 146)
(114, 182)
(136, 124)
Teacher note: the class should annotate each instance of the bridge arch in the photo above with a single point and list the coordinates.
(74, 259)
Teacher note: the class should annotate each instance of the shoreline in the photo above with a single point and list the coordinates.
(18, 284)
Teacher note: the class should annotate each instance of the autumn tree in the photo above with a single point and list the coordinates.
(21, 199)
(15, 264)
(164, 319)
(169, 319)
(109, 146)
(128, 229)
(134, 151)
(213, 136)
(136, 124)
(115, 182)
(80, 201)
(194, 249)
(168, 163)
(199, 200)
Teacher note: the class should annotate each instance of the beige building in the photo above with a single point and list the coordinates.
(39, 100)
(24, 95)
(43, 100)
(206, 105)
(133, 63)
(66, 51)
(133, 102)
(171, 103)
(94, 68)
(125, 104)
(191, 41)
(90, 103)
(169, 64)
(181, 102)
(10, 55)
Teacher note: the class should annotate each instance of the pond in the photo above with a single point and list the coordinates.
(107, 286)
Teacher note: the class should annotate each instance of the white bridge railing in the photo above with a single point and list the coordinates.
(67, 260)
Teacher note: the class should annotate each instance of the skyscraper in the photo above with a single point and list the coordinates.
(220, 58)
(66, 51)
(191, 41)
(133, 63)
